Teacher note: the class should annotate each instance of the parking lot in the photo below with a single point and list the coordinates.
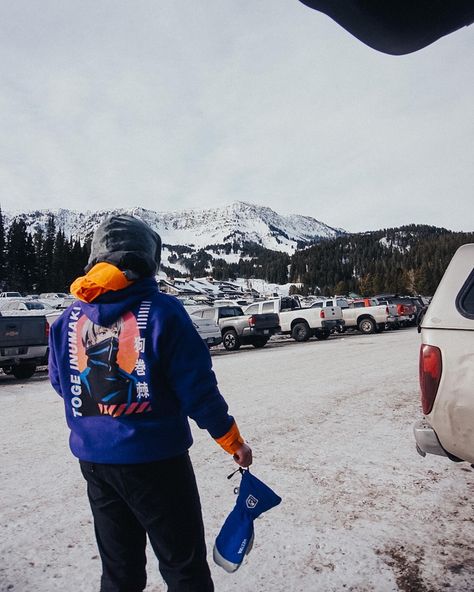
(330, 425)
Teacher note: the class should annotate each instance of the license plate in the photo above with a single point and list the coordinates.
(11, 351)
(266, 331)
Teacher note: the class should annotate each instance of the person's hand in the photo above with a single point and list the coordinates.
(243, 456)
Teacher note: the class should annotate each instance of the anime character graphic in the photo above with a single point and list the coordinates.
(111, 388)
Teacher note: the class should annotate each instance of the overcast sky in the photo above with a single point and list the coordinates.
(171, 104)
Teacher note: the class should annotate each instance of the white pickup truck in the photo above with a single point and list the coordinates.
(446, 364)
(300, 323)
(365, 314)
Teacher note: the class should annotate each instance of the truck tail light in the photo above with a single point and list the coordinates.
(47, 329)
(252, 321)
(430, 375)
(322, 314)
(386, 310)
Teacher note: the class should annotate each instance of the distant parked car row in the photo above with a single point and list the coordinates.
(53, 299)
(254, 324)
(250, 324)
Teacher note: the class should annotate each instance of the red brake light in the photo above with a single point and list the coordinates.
(322, 314)
(430, 375)
(252, 321)
(47, 329)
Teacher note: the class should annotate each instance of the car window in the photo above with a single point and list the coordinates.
(359, 305)
(208, 314)
(342, 303)
(329, 303)
(226, 312)
(465, 299)
(267, 307)
(252, 309)
(317, 305)
(34, 306)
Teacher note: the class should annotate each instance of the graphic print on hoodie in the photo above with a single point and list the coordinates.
(112, 370)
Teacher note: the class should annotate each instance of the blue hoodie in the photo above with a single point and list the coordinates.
(131, 369)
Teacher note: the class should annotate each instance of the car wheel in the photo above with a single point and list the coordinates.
(301, 332)
(24, 370)
(366, 326)
(259, 342)
(230, 340)
(322, 335)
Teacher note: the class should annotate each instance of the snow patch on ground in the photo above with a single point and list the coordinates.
(330, 424)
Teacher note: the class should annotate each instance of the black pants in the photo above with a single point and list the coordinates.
(159, 499)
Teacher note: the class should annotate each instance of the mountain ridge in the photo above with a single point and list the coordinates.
(239, 222)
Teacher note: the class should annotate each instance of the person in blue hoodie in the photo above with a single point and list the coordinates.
(131, 370)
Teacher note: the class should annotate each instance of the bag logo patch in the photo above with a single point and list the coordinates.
(251, 502)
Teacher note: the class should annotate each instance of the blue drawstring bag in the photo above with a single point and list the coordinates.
(235, 538)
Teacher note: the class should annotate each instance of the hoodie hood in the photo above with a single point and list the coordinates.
(128, 243)
(112, 305)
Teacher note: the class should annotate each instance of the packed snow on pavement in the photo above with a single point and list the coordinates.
(330, 424)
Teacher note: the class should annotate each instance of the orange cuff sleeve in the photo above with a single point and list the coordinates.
(231, 441)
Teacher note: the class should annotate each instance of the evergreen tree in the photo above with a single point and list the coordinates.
(18, 257)
(39, 277)
(59, 263)
(47, 253)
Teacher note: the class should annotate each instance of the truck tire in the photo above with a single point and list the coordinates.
(231, 340)
(301, 332)
(23, 370)
(366, 326)
(259, 342)
(322, 335)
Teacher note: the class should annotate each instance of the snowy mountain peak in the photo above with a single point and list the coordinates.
(239, 222)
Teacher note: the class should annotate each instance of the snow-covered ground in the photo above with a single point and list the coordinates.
(330, 424)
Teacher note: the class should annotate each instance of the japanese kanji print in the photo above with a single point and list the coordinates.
(112, 369)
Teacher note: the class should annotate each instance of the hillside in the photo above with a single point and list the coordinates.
(409, 259)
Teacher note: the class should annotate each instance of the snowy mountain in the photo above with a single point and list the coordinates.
(238, 223)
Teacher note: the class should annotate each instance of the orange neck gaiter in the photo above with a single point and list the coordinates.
(102, 278)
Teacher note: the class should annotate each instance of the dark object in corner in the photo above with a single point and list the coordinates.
(397, 27)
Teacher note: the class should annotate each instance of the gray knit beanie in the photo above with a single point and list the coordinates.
(128, 243)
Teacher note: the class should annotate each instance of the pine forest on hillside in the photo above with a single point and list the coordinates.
(406, 260)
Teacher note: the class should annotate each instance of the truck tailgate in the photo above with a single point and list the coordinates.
(22, 331)
(332, 312)
(268, 320)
